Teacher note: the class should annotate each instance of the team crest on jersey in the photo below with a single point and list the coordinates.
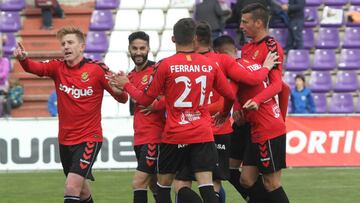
(144, 79)
(84, 77)
(255, 54)
(188, 58)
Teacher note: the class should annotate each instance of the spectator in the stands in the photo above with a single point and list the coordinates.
(52, 104)
(48, 9)
(211, 12)
(4, 75)
(301, 98)
(16, 93)
(295, 10)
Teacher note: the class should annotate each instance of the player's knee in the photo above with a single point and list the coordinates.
(139, 183)
(271, 184)
(246, 182)
(72, 190)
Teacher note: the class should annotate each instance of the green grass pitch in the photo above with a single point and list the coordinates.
(303, 185)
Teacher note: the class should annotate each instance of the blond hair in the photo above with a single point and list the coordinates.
(71, 30)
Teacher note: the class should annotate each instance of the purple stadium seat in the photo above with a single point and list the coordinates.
(311, 17)
(320, 81)
(324, 59)
(289, 77)
(289, 107)
(101, 20)
(341, 103)
(10, 44)
(355, 2)
(349, 59)
(353, 8)
(346, 81)
(12, 5)
(320, 102)
(96, 42)
(313, 2)
(9, 21)
(351, 37)
(280, 34)
(308, 37)
(335, 2)
(297, 60)
(94, 56)
(107, 4)
(328, 38)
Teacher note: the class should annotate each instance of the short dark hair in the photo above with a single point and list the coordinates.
(258, 11)
(139, 35)
(222, 40)
(203, 33)
(184, 31)
(300, 76)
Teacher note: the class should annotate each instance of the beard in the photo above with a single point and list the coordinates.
(139, 63)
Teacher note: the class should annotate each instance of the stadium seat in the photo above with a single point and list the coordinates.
(332, 17)
(320, 102)
(353, 8)
(280, 34)
(308, 38)
(106, 4)
(131, 4)
(351, 37)
(355, 2)
(157, 4)
(101, 20)
(289, 77)
(117, 61)
(320, 81)
(349, 59)
(324, 59)
(166, 43)
(96, 41)
(335, 2)
(109, 106)
(10, 44)
(313, 2)
(127, 19)
(12, 5)
(152, 19)
(119, 41)
(188, 4)
(173, 15)
(328, 38)
(341, 103)
(163, 54)
(94, 56)
(154, 41)
(311, 17)
(297, 60)
(346, 81)
(9, 21)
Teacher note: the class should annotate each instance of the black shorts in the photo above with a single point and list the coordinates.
(198, 157)
(79, 158)
(146, 156)
(239, 139)
(221, 171)
(269, 156)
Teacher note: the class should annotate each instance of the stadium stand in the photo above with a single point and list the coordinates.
(329, 59)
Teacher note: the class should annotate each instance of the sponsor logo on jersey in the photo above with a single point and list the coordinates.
(76, 92)
(84, 77)
(187, 117)
(144, 79)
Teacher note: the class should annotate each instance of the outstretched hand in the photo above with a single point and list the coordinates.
(20, 52)
(271, 60)
(251, 105)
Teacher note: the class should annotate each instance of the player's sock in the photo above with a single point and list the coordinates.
(88, 200)
(257, 192)
(278, 196)
(186, 194)
(217, 196)
(140, 196)
(222, 195)
(207, 193)
(163, 194)
(235, 181)
(155, 196)
(71, 199)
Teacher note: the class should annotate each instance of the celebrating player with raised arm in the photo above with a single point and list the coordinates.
(80, 85)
